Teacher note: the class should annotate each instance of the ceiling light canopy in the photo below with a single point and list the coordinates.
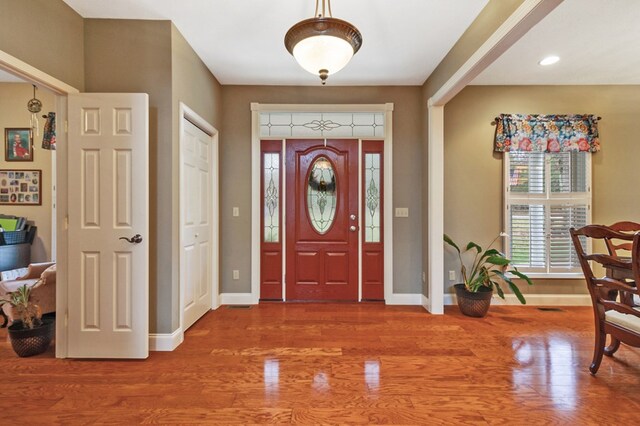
(549, 60)
(323, 45)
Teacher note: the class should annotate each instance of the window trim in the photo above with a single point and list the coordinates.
(548, 199)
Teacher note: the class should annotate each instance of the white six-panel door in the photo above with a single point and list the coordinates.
(197, 246)
(108, 200)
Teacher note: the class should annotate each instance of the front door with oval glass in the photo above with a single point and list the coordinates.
(322, 222)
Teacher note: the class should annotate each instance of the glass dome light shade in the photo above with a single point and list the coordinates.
(323, 52)
(323, 45)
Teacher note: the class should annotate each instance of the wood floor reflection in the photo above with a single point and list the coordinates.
(341, 363)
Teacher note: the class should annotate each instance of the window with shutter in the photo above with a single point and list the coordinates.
(545, 195)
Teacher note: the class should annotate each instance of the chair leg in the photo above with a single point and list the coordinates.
(613, 347)
(598, 350)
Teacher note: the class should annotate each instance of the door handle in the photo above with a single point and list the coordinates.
(353, 228)
(136, 239)
(353, 217)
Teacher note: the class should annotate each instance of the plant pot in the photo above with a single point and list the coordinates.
(473, 304)
(28, 342)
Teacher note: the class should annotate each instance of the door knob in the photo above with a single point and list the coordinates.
(196, 235)
(136, 239)
(353, 217)
(353, 228)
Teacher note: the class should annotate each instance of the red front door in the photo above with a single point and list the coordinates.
(322, 223)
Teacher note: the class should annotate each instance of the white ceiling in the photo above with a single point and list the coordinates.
(241, 41)
(598, 42)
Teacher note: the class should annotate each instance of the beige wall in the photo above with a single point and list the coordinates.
(236, 172)
(473, 173)
(195, 86)
(46, 34)
(13, 113)
(162, 64)
(489, 19)
(135, 56)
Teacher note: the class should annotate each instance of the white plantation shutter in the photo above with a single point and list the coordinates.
(546, 194)
(528, 241)
(562, 256)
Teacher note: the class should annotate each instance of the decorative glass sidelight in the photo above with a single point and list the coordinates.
(321, 195)
(372, 197)
(271, 197)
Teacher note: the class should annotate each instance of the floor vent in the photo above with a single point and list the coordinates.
(550, 309)
(239, 307)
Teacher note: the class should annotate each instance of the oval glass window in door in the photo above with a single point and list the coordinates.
(321, 195)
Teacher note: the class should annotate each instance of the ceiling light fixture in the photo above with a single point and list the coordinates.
(549, 60)
(323, 45)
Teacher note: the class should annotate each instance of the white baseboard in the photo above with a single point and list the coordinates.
(534, 299)
(404, 299)
(237, 299)
(165, 342)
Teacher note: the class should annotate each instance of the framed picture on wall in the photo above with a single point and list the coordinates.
(18, 144)
(21, 187)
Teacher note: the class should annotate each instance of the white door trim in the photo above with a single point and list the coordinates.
(190, 115)
(527, 15)
(35, 76)
(256, 109)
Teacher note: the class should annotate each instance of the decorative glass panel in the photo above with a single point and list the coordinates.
(271, 198)
(322, 124)
(321, 195)
(372, 198)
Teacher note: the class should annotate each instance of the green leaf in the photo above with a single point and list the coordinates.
(498, 260)
(499, 289)
(521, 275)
(471, 245)
(516, 291)
(492, 252)
(512, 286)
(449, 241)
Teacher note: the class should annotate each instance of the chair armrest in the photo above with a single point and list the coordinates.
(35, 270)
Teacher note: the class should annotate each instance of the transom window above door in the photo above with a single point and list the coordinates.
(322, 124)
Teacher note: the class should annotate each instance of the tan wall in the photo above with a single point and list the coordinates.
(473, 173)
(236, 172)
(195, 86)
(46, 34)
(489, 19)
(13, 113)
(135, 56)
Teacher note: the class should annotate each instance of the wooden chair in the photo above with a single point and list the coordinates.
(617, 247)
(617, 317)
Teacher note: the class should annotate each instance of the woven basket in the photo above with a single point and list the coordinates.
(28, 342)
(473, 304)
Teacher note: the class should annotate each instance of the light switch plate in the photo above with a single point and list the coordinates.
(236, 274)
(236, 211)
(402, 212)
(452, 275)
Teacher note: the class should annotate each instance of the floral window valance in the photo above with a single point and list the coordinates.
(546, 133)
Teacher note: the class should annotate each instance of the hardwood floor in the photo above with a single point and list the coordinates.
(341, 363)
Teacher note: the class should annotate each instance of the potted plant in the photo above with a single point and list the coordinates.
(488, 270)
(31, 334)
